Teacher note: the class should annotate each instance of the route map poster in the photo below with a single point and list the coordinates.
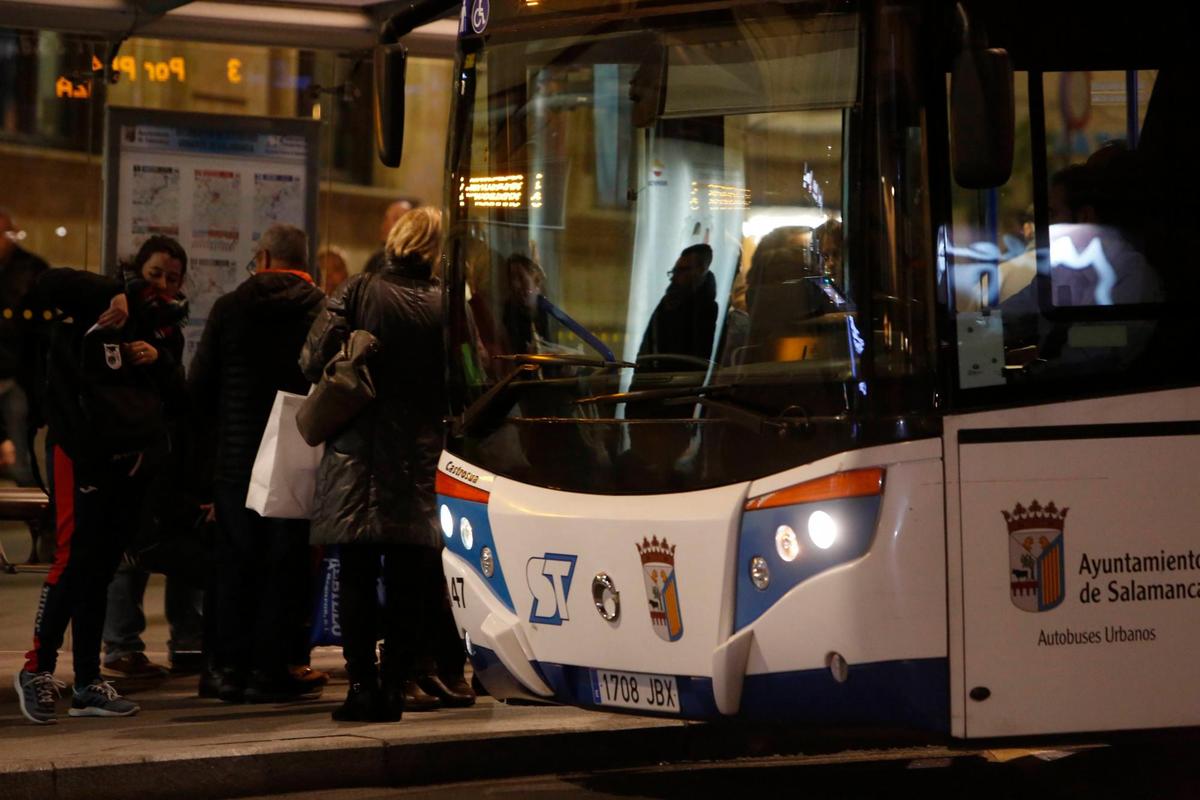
(212, 182)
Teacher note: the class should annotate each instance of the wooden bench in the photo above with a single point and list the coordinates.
(29, 505)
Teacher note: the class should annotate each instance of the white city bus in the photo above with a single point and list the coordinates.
(827, 361)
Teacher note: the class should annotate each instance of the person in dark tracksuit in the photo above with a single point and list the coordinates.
(103, 401)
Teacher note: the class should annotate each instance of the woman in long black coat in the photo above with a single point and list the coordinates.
(375, 485)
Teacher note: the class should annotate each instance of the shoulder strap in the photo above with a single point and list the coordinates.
(355, 303)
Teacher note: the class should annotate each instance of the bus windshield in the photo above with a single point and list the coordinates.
(661, 202)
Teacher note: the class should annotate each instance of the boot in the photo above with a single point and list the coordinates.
(232, 686)
(280, 687)
(391, 702)
(210, 680)
(397, 683)
(454, 692)
(417, 699)
(361, 705)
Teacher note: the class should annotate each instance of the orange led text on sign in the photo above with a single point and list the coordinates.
(174, 68)
(65, 87)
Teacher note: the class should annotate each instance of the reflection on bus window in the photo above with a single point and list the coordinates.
(700, 238)
(1010, 296)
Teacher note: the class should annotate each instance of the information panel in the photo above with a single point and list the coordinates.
(212, 182)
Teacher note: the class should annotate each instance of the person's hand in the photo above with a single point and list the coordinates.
(8, 453)
(141, 354)
(116, 315)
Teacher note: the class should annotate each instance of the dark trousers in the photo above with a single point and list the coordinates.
(95, 505)
(414, 616)
(263, 588)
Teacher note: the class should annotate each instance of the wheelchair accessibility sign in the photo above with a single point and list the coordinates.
(481, 12)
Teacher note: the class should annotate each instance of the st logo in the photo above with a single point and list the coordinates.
(549, 579)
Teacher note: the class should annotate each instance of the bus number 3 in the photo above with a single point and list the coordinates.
(458, 594)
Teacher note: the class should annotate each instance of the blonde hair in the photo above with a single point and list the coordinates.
(417, 234)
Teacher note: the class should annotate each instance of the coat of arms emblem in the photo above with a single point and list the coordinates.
(662, 588)
(112, 355)
(1035, 556)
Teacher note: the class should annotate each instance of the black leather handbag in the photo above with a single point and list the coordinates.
(345, 389)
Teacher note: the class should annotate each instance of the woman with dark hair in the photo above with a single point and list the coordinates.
(525, 321)
(108, 389)
(158, 311)
(375, 485)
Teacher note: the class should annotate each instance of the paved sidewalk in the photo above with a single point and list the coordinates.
(183, 747)
(180, 746)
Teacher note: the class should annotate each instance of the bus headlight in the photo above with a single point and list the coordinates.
(837, 513)
(822, 530)
(470, 516)
(786, 543)
(760, 573)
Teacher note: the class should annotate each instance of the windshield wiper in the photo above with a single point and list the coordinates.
(564, 359)
(793, 419)
(528, 365)
(665, 393)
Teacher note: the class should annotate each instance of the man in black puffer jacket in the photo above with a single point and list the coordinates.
(248, 352)
(18, 270)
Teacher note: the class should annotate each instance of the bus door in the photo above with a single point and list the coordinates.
(1074, 560)
(1080, 566)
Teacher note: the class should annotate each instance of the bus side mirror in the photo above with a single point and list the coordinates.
(390, 63)
(648, 88)
(982, 115)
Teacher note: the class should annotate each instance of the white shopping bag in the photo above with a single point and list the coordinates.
(285, 471)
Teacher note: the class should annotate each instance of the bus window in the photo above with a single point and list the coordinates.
(700, 240)
(1050, 276)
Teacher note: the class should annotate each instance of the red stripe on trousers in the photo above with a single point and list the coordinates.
(64, 516)
(64, 512)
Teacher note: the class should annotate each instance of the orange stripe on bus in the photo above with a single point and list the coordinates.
(855, 483)
(453, 487)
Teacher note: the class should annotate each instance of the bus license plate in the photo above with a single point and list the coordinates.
(635, 690)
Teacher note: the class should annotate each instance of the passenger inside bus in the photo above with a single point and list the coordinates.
(477, 260)
(526, 322)
(827, 243)
(1105, 211)
(1097, 226)
(685, 320)
(788, 293)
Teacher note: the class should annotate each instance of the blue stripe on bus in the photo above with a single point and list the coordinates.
(481, 527)
(912, 693)
(856, 518)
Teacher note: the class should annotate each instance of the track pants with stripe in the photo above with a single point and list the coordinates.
(95, 506)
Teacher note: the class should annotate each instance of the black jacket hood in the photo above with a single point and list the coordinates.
(278, 294)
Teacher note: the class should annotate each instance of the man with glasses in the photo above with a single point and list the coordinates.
(250, 349)
(18, 270)
(685, 320)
